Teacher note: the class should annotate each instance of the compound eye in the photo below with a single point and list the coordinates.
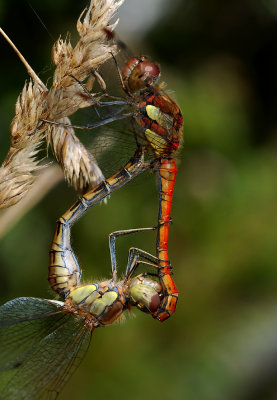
(154, 303)
(143, 75)
(127, 70)
(145, 297)
(150, 70)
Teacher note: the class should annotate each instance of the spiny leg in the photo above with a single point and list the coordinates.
(116, 101)
(64, 271)
(116, 117)
(88, 93)
(133, 261)
(112, 239)
(144, 292)
(124, 87)
(164, 272)
(168, 298)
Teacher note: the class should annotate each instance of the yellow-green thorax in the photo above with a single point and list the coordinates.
(103, 303)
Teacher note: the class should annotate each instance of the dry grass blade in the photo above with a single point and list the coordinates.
(79, 166)
(64, 98)
(16, 172)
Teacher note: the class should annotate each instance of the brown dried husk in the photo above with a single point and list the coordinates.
(17, 170)
(63, 99)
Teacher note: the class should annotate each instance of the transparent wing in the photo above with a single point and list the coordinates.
(40, 348)
(112, 147)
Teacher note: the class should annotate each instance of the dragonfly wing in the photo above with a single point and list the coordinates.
(70, 357)
(40, 348)
(112, 148)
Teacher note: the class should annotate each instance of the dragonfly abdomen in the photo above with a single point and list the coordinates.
(166, 171)
(64, 272)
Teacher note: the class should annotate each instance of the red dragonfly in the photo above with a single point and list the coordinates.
(157, 122)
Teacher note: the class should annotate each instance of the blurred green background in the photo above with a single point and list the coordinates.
(219, 60)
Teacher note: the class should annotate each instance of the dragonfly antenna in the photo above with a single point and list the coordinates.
(40, 20)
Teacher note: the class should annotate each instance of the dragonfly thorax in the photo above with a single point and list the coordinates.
(100, 303)
(161, 121)
(156, 113)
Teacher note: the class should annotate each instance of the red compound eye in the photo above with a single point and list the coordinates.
(127, 70)
(139, 74)
(149, 69)
(154, 303)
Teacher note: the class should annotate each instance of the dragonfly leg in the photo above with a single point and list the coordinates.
(85, 89)
(117, 112)
(166, 172)
(124, 87)
(143, 292)
(36, 127)
(116, 117)
(112, 239)
(64, 271)
(133, 261)
(116, 101)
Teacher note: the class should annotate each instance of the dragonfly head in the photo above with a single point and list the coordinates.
(140, 74)
(145, 293)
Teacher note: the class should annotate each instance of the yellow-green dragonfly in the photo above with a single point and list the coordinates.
(43, 341)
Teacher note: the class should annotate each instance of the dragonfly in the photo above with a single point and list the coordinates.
(157, 126)
(43, 341)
